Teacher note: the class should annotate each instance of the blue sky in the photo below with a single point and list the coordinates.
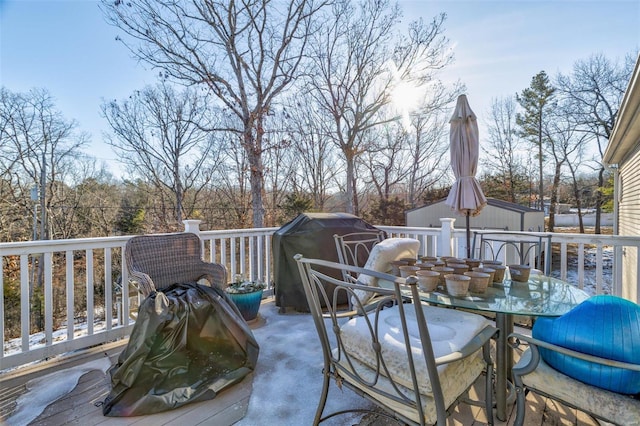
(66, 47)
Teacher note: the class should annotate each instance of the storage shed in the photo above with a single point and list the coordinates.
(497, 214)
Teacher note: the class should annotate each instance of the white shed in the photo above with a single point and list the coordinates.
(497, 214)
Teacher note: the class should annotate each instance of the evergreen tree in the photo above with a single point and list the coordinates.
(536, 100)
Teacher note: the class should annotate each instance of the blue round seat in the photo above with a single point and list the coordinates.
(604, 326)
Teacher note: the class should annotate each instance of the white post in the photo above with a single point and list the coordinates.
(445, 246)
(192, 225)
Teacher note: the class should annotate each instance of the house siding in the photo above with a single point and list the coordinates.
(629, 220)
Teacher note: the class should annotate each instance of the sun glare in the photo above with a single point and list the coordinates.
(405, 97)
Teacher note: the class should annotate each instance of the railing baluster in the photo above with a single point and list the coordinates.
(89, 291)
(48, 299)
(580, 265)
(108, 288)
(24, 301)
(70, 293)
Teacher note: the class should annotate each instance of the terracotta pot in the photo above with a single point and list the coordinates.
(408, 270)
(443, 270)
(428, 280)
(473, 263)
(500, 271)
(479, 281)
(457, 285)
(519, 273)
(490, 271)
(458, 268)
(395, 266)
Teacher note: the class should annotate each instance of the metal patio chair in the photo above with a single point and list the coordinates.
(389, 356)
(157, 261)
(532, 373)
(354, 248)
(521, 248)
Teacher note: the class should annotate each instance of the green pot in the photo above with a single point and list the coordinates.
(248, 303)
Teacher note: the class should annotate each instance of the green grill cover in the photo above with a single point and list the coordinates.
(310, 234)
(188, 343)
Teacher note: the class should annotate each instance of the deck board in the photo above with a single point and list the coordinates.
(82, 405)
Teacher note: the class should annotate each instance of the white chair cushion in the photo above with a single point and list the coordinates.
(380, 258)
(449, 330)
(618, 408)
(471, 367)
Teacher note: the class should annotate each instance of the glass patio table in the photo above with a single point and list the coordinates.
(541, 296)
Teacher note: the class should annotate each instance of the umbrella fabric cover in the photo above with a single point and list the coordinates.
(466, 196)
(188, 343)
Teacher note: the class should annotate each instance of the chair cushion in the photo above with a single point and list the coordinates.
(380, 258)
(617, 408)
(604, 326)
(449, 330)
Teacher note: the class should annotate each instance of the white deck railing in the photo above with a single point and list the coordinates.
(95, 312)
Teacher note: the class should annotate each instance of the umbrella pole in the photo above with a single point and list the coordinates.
(468, 237)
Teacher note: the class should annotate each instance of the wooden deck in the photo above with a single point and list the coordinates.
(82, 405)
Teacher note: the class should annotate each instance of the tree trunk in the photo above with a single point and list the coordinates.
(599, 199)
(351, 190)
(553, 202)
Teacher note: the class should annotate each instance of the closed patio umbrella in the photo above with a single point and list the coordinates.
(466, 197)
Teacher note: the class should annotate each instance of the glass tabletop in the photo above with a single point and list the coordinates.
(540, 296)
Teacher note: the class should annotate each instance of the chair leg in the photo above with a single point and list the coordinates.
(488, 399)
(323, 396)
(520, 405)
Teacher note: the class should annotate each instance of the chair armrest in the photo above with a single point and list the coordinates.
(215, 273)
(516, 339)
(144, 281)
(481, 339)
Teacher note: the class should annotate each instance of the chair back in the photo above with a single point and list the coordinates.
(354, 248)
(514, 248)
(386, 355)
(167, 259)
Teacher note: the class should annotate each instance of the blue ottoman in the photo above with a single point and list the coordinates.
(604, 326)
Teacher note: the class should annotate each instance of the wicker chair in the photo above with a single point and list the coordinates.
(157, 261)
(389, 356)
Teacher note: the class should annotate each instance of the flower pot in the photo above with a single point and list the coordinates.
(520, 273)
(248, 303)
(457, 285)
(479, 281)
(408, 270)
(428, 280)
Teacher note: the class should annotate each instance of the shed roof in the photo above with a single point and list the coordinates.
(491, 202)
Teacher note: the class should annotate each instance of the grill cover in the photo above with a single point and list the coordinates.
(310, 234)
(188, 344)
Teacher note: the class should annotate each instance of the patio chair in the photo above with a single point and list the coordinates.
(389, 356)
(354, 248)
(157, 261)
(588, 359)
(522, 248)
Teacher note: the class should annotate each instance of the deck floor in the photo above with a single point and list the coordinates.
(82, 405)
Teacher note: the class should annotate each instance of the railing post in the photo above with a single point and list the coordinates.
(192, 225)
(445, 248)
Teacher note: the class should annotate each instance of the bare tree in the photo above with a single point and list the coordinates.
(501, 153)
(158, 135)
(359, 58)
(594, 91)
(246, 53)
(37, 145)
(313, 159)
